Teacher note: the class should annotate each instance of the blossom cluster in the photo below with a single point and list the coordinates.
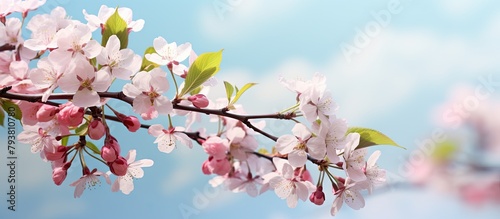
(71, 65)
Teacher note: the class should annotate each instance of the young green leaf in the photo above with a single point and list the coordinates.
(115, 25)
(241, 91)
(146, 64)
(370, 137)
(229, 90)
(196, 90)
(64, 141)
(204, 67)
(82, 130)
(11, 109)
(92, 147)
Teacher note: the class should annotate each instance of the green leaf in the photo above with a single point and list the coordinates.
(241, 91)
(146, 64)
(445, 151)
(229, 90)
(115, 25)
(2, 117)
(82, 130)
(196, 90)
(92, 147)
(370, 137)
(204, 67)
(11, 109)
(64, 141)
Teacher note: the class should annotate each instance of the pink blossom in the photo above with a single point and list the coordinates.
(350, 195)
(120, 63)
(24, 6)
(332, 134)
(216, 147)
(168, 54)
(19, 79)
(88, 180)
(167, 139)
(29, 111)
(46, 76)
(296, 145)
(37, 138)
(44, 27)
(82, 80)
(10, 32)
(125, 183)
(6, 8)
(219, 167)
(354, 158)
(241, 143)
(286, 185)
(75, 41)
(147, 89)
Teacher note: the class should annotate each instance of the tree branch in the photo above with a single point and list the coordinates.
(245, 119)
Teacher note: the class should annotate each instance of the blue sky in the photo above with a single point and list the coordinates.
(394, 84)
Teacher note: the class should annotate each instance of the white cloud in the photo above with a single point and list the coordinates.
(230, 20)
(394, 66)
(461, 7)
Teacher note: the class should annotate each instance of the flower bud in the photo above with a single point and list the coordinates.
(59, 153)
(96, 129)
(59, 173)
(46, 113)
(110, 150)
(199, 100)
(205, 167)
(70, 115)
(318, 196)
(132, 123)
(119, 166)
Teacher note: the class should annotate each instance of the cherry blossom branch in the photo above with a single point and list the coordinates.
(245, 119)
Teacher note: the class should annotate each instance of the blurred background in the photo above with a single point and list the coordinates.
(425, 73)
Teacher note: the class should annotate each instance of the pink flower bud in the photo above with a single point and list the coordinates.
(59, 173)
(318, 196)
(119, 166)
(70, 115)
(132, 123)
(96, 129)
(199, 100)
(205, 167)
(46, 113)
(110, 150)
(58, 154)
